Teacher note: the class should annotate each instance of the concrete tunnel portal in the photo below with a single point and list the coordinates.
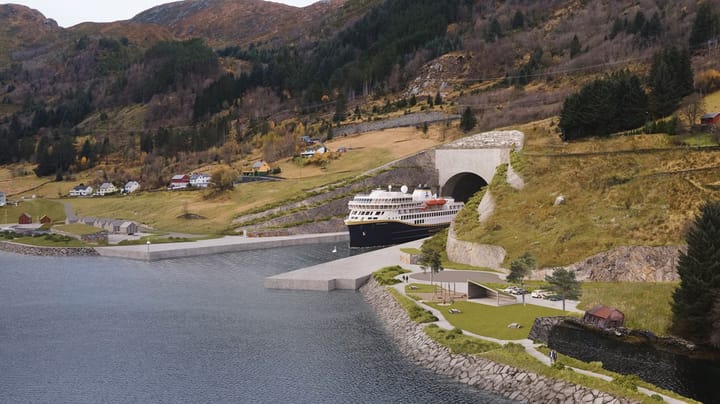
(464, 185)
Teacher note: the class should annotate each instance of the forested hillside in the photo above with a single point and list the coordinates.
(151, 92)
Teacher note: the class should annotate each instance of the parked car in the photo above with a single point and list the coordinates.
(540, 293)
(554, 298)
(511, 290)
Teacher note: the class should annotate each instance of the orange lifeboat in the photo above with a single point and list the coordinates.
(435, 202)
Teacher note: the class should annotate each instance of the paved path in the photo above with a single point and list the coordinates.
(530, 347)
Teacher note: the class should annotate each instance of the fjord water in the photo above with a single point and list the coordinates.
(91, 330)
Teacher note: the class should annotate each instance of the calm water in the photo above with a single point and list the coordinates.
(200, 330)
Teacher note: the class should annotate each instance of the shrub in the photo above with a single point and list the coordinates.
(629, 382)
(386, 276)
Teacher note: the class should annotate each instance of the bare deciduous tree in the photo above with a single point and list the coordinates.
(692, 108)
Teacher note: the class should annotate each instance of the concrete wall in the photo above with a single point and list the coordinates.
(451, 162)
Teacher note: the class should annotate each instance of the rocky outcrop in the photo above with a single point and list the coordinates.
(631, 264)
(514, 179)
(48, 251)
(480, 255)
(507, 381)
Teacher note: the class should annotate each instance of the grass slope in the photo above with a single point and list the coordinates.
(629, 190)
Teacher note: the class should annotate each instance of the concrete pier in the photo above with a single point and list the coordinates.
(154, 252)
(346, 273)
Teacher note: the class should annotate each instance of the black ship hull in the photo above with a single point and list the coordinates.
(388, 233)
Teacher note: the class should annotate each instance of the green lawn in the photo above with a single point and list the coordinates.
(42, 241)
(35, 208)
(78, 229)
(492, 321)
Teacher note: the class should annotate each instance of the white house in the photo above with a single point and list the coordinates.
(311, 152)
(199, 180)
(131, 186)
(81, 190)
(106, 188)
(3, 199)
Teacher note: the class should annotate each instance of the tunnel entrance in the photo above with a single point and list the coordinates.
(464, 185)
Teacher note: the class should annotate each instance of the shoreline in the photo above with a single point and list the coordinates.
(156, 252)
(484, 374)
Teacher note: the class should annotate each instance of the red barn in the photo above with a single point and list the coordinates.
(710, 119)
(25, 219)
(605, 317)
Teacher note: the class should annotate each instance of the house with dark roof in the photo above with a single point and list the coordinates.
(605, 317)
(81, 190)
(711, 118)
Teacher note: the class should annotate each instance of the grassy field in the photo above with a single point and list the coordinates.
(50, 241)
(492, 321)
(163, 210)
(646, 304)
(77, 228)
(35, 208)
(616, 194)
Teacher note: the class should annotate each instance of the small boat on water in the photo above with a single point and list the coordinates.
(397, 216)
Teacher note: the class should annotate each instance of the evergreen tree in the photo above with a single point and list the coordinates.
(88, 152)
(518, 20)
(617, 28)
(652, 28)
(575, 48)
(638, 23)
(563, 283)
(699, 270)
(146, 142)
(468, 120)
(494, 31)
(438, 98)
(612, 104)
(705, 27)
(670, 80)
(340, 108)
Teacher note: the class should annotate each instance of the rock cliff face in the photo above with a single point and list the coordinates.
(507, 381)
(631, 264)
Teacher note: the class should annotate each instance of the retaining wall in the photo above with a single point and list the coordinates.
(47, 251)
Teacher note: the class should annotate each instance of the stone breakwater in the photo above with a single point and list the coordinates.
(48, 251)
(507, 381)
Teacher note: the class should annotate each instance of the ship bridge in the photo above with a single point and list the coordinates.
(467, 165)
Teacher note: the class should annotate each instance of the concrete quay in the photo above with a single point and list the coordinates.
(346, 273)
(155, 252)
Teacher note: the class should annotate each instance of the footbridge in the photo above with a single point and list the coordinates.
(468, 164)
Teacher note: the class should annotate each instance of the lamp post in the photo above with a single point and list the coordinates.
(148, 250)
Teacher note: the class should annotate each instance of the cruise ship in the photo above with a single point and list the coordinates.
(397, 216)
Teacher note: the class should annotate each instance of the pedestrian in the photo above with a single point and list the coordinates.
(553, 356)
